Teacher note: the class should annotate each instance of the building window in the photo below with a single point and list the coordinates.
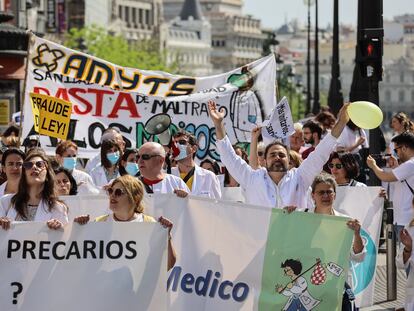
(388, 96)
(147, 17)
(127, 14)
(120, 12)
(140, 15)
(401, 77)
(412, 96)
(387, 77)
(401, 96)
(134, 16)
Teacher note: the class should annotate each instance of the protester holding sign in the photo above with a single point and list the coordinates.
(323, 194)
(11, 162)
(125, 201)
(111, 153)
(66, 155)
(35, 199)
(275, 186)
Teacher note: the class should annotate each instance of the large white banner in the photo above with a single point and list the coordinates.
(229, 254)
(99, 266)
(103, 94)
(364, 204)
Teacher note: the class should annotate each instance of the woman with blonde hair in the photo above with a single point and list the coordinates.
(126, 195)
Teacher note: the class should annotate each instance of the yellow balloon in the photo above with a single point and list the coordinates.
(365, 114)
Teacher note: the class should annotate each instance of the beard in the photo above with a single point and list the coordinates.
(277, 166)
(310, 141)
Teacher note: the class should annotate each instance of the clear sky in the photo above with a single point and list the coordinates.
(274, 12)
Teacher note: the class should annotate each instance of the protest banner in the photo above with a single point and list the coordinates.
(230, 255)
(51, 116)
(348, 202)
(364, 204)
(99, 266)
(104, 94)
(280, 124)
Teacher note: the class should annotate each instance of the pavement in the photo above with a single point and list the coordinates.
(380, 294)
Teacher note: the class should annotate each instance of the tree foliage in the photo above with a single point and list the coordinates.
(96, 41)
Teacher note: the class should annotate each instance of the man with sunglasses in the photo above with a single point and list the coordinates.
(202, 182)
(151, 157)
(403, 178)
(275, 186)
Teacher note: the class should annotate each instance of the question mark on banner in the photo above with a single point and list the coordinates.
(17, 292)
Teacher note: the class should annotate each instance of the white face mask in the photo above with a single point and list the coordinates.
(183, 152)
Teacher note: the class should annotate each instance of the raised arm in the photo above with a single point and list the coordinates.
(253, 159)
(217, 117)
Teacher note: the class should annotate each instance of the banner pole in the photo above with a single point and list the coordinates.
(29, 46)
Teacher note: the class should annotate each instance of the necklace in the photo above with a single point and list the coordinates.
(129, 219)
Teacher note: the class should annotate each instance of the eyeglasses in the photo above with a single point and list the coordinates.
(14, 164)
(146, 157)
(338, 166)
(29, 165)
(117, 192)
(325, 192)
(396, 148)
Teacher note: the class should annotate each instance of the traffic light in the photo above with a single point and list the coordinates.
(369, 57)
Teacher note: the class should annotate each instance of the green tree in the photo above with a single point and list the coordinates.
(96, 41)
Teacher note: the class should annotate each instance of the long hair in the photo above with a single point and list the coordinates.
(20, 199)
(73, 186)
(105, 148)
(405, 121)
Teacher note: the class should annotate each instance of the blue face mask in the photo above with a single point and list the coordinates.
(113, 157)
(132, 168)
(183, 152)
(69, 163)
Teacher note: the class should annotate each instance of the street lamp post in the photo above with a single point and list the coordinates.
(308, 71)
(316, 103)
(335, 97)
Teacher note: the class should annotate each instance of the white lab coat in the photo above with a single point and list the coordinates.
(59, 211)
(99, 177)
(205, 183)
(409, 289)
(92, 163)
(84, 182)
(3, 188)
(292, 188)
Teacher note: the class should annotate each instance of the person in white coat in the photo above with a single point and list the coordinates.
(108, 170)
(405, 260)
(11, 162)
(66, 156)
(151, 157)
(35, 199)
(275, 186)
(200, 181)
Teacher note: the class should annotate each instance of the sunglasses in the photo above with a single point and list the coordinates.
(338, 166)
(117, 192)
(29, 165)
(325, 192)
(396, 148)
(146, 157)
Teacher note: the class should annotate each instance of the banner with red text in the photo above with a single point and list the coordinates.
(103, 94)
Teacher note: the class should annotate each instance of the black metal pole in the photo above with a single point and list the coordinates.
(335, 97)
(308, 71)
(316, 104)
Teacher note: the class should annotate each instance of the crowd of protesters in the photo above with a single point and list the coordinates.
(324, 153)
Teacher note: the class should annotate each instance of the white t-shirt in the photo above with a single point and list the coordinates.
(349, 138)
(402, 196)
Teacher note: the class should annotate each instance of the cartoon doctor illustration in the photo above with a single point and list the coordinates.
(245, 105)
(297, 290)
